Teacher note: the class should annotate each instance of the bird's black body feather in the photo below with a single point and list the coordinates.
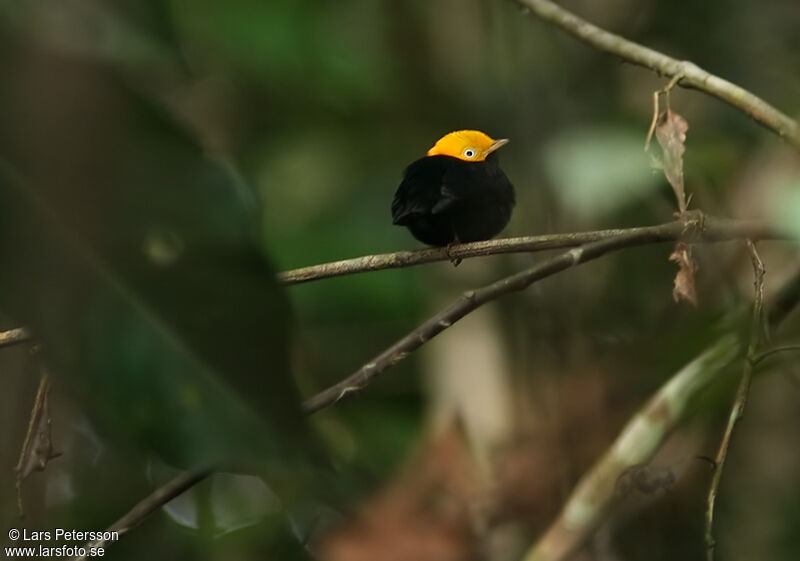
(444, 200)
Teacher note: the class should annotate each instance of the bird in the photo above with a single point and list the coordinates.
(457, 193)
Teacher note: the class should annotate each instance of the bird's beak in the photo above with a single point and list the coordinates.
(499, 143)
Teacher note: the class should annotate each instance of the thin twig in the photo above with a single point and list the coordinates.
(691, 226)
(14, 336)
(637, 443)
(37, 448)
(692, 76)
(656, 109)
(740, 401)
(717, 230)
(155, 500)
(768, 353)
(653, 121)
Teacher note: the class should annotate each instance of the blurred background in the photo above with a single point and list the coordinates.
(467, 449)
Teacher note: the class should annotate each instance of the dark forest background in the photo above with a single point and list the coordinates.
(145, 146)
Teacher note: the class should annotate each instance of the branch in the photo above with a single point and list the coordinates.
(772, 352)
(402, 259)
(14, 336)
(150, 504)
(722, 229)
(690, 227)
(641, 438)
(37, 448)
(737, 411)
(690, 75)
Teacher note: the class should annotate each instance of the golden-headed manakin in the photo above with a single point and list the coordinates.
(457, 193)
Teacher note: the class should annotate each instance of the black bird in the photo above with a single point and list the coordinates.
(457, 193)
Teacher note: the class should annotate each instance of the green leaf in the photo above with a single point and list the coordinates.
(132, 258)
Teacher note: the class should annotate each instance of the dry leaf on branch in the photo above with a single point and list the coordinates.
(671, 135)
(670, 132)
(684, 287)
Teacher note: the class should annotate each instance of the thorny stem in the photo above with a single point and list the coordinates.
(740, 401)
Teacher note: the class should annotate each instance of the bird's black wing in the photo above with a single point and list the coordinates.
(421, 189)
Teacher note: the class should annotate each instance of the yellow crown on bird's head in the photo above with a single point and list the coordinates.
(468, 145)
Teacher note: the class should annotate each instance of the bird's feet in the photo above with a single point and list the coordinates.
(456, 261)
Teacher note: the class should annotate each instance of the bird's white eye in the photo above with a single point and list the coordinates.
(469, 153)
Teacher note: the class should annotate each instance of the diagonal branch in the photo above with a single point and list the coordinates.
(690, 227)
(691, 75)
(719, 228)
(147, 506)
